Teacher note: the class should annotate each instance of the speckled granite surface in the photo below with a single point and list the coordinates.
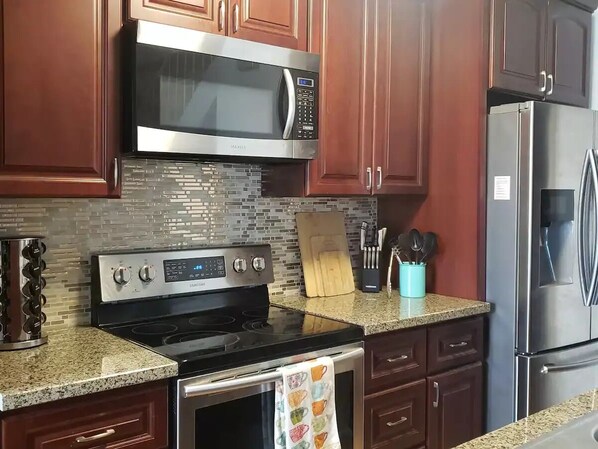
(76, 361)
(528, 429)
(376, 313)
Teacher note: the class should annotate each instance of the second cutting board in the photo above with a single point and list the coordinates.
(325, 254)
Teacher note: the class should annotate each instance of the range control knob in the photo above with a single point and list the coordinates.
(147, 273)
(122, 275)
(259, 264)
(240, 265)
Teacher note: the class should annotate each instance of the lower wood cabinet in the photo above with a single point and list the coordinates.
(424, 386)
(127, 418)
(455, 415)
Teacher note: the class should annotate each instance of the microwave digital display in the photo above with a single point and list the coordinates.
(305, 82)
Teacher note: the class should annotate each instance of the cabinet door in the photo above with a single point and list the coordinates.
(203, 15)
(275, 22)
(569, 40)
(60, 132)
(346, 33)
(454, 407)
(402, 109)
(518, 48)
(129, 418)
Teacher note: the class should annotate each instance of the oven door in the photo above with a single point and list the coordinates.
(203, 94)
(235, 409)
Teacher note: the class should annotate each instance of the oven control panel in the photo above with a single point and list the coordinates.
(150, 274)
(306, 115)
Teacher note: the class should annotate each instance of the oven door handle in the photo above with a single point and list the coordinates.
(292, 100)
(190, 391)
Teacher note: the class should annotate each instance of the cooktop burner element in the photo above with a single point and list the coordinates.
(211, 320)
(197, 307)
(154, 329)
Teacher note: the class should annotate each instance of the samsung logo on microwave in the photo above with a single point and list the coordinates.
(238, 147)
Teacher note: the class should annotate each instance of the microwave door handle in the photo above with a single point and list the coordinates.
(288, 129)
(190, 391)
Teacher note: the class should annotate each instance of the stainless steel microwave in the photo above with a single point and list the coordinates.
(209, 96)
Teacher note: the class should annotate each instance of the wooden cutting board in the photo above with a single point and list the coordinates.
(325, 254)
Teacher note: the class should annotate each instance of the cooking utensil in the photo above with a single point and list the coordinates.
(430, 243)
(362, 233)
(404, 247)
(417, 242)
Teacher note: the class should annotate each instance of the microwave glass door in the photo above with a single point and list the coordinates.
(203, 94)
(248, 421)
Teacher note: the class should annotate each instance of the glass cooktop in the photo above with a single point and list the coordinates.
(210, 340)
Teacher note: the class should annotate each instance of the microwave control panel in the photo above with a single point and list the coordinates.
(306, 117)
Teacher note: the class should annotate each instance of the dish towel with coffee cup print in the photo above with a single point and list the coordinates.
(305, 413)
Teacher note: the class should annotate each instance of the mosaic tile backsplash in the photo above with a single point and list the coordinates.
(166, 204)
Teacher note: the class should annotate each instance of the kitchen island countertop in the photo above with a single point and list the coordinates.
(76, 361)
(530, 428)
(376, 313)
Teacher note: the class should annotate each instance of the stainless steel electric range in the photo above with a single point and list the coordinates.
(208, 309)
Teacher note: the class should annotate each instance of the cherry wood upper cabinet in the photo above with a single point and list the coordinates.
(346, 40)
(402, 110)
(569, 40)
(60, 90)
(202, 15)
(541, 49)
(454, 407)
(518, 51)
(275, 22)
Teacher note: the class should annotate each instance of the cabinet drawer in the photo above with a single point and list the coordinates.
(396, 418)
(393, 359)
(133, 418)
(455, 344)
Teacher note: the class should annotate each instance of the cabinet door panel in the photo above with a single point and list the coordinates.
(61, 101)
(569, 40)
(454, 407)
(202, 15)
(402, 96)
(275, 22)
(518, 48)
(346, 98)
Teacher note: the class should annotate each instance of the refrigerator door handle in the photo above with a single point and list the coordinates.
(552, 368)
(592, 297)
(581, 229)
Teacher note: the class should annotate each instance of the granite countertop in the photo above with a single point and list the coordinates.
(376, 313)
(75, 362)
(528, 429)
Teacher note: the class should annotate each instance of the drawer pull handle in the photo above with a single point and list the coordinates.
(458, 345)
(397, 359)
(96, 437)
(396, 423)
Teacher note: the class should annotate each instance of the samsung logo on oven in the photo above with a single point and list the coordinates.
(197, 284)
(238, 147)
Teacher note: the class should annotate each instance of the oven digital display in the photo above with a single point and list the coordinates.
(305, 82)
(179, 270)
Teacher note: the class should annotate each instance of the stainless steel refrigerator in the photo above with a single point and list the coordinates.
(542, 257)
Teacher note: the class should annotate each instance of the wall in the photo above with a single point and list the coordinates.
(167, 204)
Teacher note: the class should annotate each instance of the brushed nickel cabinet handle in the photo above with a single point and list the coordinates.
(543, 75)
(222, 11)
(236, 18)
(116, 174)
(96, 437)
(458, 345)
(397, 359)
(551, 90)
(368, 172)
(396, 423)
(437, 390)
(379, 170)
